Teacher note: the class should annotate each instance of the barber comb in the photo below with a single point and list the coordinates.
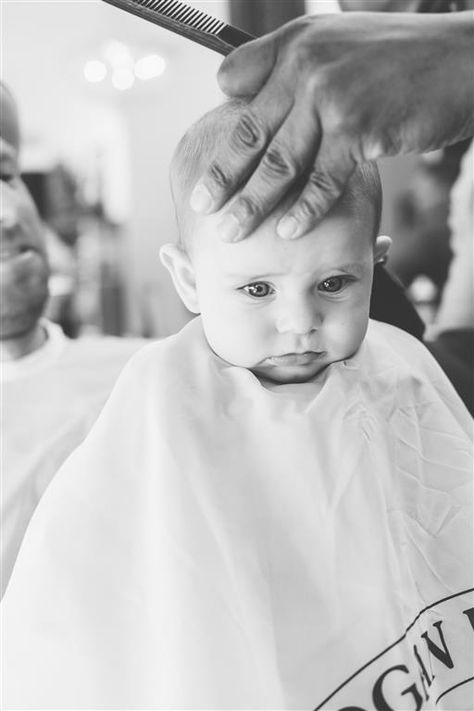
(187, 21)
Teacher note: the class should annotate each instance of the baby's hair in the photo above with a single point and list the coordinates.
(197, 148)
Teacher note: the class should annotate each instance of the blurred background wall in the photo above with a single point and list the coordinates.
(104, 97)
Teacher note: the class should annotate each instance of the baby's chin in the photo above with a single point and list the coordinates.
(290, 374)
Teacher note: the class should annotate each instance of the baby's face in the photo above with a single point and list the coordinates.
(285, 309)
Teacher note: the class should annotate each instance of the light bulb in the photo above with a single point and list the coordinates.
(150, 67)
(123, 79)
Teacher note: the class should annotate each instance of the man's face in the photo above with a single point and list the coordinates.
(286, 309)
(23, 265)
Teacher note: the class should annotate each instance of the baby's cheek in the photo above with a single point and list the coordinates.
(346, 333)
(359, 324)
(228, 337)
(246, 342)
(251, 340)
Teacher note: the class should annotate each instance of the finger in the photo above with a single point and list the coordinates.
(326, 182)
(234, 161)
(288, 157)
(245, 70)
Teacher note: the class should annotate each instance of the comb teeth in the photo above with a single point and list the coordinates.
(184, 14)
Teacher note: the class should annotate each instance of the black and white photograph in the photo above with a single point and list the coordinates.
(237, 355)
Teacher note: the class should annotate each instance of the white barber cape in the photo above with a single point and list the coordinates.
(215, 544)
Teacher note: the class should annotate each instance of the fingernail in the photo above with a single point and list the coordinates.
(287, 228)
(230, 228)
(201, 199)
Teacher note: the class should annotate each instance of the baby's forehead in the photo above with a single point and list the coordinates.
(340, 237)
(354, 209)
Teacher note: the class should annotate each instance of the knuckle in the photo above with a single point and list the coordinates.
(223, 74)
(218, 176)
(276, 163)
(311, 47)
(388, 143)
(338, 116)
(249, 132)
(247, 209)
(320, 182)
(307, 209)
(298, 40)
(304, 61)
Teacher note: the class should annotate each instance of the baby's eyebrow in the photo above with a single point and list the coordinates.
(351, 267)
(253, 277)
(319, 270)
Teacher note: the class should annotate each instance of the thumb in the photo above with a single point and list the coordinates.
(245, 70)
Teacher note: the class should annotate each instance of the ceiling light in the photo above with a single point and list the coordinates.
(150, 67)
(117, 54)
(123, 79)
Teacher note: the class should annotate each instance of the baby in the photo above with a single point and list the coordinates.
(272, 511)
(284, 310)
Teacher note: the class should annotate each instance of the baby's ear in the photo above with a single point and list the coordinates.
(381, 247)
(177, 262)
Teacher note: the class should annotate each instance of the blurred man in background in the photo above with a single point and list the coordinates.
(52, 388)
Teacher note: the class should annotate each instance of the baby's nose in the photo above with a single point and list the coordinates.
(299, 317)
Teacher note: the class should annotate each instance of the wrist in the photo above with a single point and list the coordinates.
(448, 75)
(459, 73)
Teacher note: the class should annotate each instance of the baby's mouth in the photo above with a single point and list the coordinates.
(295, 359)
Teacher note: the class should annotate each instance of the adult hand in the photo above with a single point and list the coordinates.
(330, 92)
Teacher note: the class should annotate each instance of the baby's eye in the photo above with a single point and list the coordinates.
(333, 284)
(258, 289)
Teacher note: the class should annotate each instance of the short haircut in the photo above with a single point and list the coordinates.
(197, 147)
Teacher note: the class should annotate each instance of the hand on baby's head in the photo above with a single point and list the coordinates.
(283, 309)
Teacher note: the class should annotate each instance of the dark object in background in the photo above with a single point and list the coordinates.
(421, 233)
(55, 194)
(390, 304)
(264, 16)
(454, 351)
